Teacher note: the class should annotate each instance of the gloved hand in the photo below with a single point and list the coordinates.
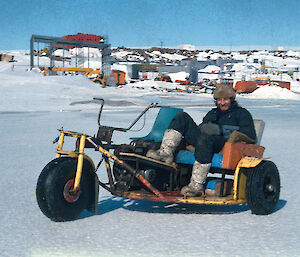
(210, 129)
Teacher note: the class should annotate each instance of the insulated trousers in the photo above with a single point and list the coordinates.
(205, 145)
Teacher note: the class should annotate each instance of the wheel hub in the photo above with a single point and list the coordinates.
(270, 187)
(70, 195)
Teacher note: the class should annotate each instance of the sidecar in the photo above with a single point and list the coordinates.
(69, 183)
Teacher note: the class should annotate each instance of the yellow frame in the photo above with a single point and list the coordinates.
(239, 184)
(74, 154)
(239, 187)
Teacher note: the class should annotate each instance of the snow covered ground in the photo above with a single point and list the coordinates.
(33, 107)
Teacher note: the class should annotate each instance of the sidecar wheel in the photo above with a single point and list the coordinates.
(54, 195)
(263, 188)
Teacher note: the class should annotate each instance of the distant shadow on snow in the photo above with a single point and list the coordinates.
(151, 207)
(280, 205)
(112, 203)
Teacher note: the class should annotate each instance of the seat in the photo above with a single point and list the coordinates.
(162, 121)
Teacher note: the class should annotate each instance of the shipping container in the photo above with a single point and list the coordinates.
(282, 84)
(120, 76)
(245, 86)
(262, 81)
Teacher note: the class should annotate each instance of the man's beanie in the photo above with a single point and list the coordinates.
(224, 91)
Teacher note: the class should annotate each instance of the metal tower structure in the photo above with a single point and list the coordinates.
(59, 43)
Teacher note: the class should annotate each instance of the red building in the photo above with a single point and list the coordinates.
(85, 38)
(80, 37)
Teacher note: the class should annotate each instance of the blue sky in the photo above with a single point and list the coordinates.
(138, 23)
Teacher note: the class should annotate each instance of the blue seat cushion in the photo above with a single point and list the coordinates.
(217, 160)
(211, 184)
(185, 157)
(188, 157)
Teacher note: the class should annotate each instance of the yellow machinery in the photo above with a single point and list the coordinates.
(75, 71)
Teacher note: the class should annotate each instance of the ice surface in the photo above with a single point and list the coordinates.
(33, 107)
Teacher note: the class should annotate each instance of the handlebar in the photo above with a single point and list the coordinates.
(102, 103)
(152, 105)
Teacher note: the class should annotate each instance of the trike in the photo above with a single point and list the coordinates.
(69, 184)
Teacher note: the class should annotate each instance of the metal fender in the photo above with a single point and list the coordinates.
(239, 185)
(93, 203)
(89, 159)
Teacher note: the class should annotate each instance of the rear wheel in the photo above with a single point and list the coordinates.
(54, 190)
(263, 188)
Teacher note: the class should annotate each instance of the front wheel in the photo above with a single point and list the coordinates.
(54, 190)
(263, 188)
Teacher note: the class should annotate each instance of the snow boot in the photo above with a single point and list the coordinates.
(199, 174)
(171, 140)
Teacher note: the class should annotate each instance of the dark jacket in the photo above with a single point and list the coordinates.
(234, 116)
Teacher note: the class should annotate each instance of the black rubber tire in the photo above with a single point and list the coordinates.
(40, 189)
(51, 186)
(263, 188)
